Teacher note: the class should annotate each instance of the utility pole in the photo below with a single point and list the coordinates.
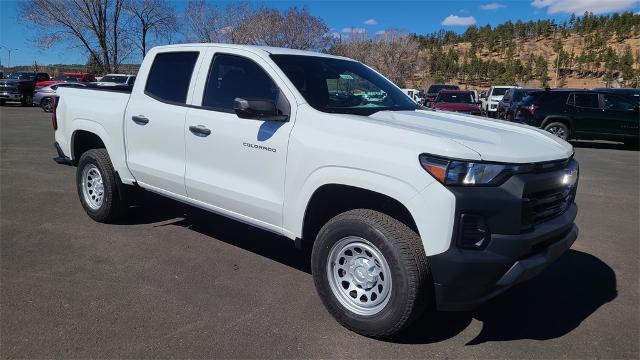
(9, 50)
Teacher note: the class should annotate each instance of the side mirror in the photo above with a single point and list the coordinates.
(483, 95)
(257, 109)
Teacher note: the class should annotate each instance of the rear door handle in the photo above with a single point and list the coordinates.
(200, 130)
(140, 119)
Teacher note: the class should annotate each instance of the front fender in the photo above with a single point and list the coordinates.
(398, 189)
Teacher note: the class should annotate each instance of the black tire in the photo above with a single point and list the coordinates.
(559, 129)
(27, 101)
(411, 288)
(632, 144)
(111, 207)
(46, 104)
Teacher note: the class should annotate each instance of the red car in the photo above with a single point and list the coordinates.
(458, 101)
(68, 77)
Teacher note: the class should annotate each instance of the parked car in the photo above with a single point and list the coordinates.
(629, 92)
(582, 114)
(509, 104)
(461, 101)
(434, 89)
(117, 80)
(415, 95)
(19, 86)
(257, 134)
(489, 100)
(68, 77)
(43, 96)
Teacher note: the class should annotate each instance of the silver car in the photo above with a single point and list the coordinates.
(44, 96)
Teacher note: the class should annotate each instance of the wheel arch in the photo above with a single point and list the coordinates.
(561, 119)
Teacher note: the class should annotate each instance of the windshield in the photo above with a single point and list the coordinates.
(455, 97)
(22, 76)
(499, 91)
(115, 79)
(342, 86)
(433, 89)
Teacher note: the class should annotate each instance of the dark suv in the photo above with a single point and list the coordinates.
(509, 103)
(582, 114)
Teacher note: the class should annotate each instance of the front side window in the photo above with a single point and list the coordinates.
(170, 76)
(613, 102)
(342, 86)
(586, 101)
(232, 76)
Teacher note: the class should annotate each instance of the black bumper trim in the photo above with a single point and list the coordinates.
(464, 279)
(61, 158)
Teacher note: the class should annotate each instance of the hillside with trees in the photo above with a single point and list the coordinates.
(585, 51)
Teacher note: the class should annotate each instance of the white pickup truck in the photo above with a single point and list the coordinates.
(489, 100)
(402, 207)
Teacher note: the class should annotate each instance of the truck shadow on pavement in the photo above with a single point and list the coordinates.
(546, 307)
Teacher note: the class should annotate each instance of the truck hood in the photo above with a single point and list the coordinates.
(493, 140)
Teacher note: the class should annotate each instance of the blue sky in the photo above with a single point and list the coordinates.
(414, 16)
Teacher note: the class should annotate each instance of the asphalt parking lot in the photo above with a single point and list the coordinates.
(174, 281)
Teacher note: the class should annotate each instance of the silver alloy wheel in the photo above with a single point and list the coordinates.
(558, 131)
(359, 276)
(47, 104)
(92, 186)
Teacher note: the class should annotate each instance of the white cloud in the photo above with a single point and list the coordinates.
(492, 6)
(455, 20)
(380, 32)
(350, 30)
(371, 22)
(578, 7)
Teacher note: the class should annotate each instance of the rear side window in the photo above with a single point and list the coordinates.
(231, 77)
(586, 100)
(613, 102)
(170, 76)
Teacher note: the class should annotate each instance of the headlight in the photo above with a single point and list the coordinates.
(466, 173)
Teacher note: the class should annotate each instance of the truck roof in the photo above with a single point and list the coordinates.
(256, 48)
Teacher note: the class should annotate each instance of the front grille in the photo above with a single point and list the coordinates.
(544, 205)
(9, 89)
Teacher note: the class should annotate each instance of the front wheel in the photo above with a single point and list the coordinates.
(371, 272)
(97, 187)
(558, 129)
(27, 100)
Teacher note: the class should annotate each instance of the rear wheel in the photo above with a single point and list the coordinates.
(97, 187)
(558, 129)
(47, 104)
(371, 272)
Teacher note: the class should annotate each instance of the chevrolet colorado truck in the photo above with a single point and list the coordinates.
(402, 207)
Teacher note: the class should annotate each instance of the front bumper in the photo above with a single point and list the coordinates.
(520, 244)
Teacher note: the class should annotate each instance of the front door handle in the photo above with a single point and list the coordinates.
(140, 119)
(200, 130)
